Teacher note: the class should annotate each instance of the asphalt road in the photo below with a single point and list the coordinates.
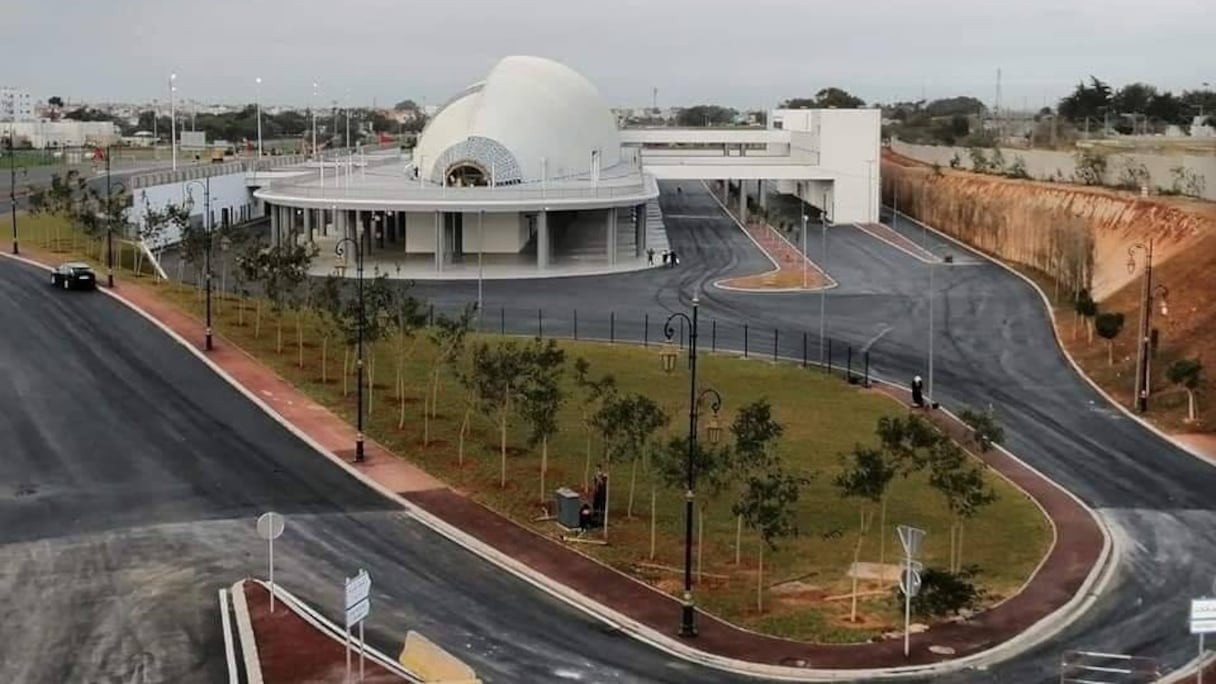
(136, 474)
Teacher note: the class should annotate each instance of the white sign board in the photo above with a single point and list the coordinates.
(357, 612)
(270, 525)
(909, 578)
(1203, 616)
(910, 538)
(357, 588)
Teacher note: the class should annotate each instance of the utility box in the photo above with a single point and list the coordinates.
(567, 502)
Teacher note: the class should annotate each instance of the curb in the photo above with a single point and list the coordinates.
(1055, 328)
(831, 282)
(244, 626)
(603, 613)
(229, 647)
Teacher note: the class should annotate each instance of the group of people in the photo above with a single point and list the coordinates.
(669, 258)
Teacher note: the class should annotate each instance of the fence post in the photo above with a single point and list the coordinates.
(774, 345)
(713, 335)
(611, 327)
(681, 333)
(502, 320)
(646, 330)
(576, 324)
(540, 328)
(828, 369)
(431, 316)
(745, 340)
(804, 349)
(848, 365)
(866, 360)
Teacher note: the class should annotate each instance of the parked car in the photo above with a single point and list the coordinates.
(74, 276)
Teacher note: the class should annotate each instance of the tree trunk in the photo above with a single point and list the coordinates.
(607, 491)
(401, 408)
(346, 370)
(587, 464)
(464, 428)
(240, 312)
(435, 394)
(861, 537)
(633, 480)
(760, 579)
(278, 331)
(325, 359)
(300, 336)
(502, 446)
(426, 421)
(700, 539)
(653, 518)
(371, 377)
(738, 539)
(257, 318)
(882, 537)
(1190, 406)
(958, 557)
(544, 465)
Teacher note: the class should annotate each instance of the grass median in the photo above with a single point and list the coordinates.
(805, 581)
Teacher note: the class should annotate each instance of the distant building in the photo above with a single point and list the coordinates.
(52, 134)
(15, 105)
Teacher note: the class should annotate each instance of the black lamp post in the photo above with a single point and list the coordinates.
(109, 216)
(688, 626)
(206, 184)
(12, 184)
(340, 250)
(1146, 314)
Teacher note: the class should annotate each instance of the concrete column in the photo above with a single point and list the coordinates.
(274, 224)
(762, 194)
(439, 248)
(642, 236)
(610, 242)
(308, 224)
(743, 200)
(542, 240)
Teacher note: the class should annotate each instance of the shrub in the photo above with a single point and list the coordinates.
(979, 161)
(1017, 169)
(1091, 167)
(944, 593)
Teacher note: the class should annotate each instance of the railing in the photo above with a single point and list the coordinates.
(410, 190)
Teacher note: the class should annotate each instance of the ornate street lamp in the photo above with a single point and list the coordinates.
(340, 251)
(206, 186)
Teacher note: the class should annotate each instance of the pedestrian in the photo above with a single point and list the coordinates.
(584, 518)
(650, 256)
(675, 260)
(664, 257)
(918, 395)
(599, 496)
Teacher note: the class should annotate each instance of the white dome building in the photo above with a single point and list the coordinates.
(523, 170)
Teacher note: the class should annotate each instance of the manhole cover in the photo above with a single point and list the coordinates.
(941, 650)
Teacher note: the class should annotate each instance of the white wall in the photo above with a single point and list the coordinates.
(227, 191)
(504, 233)
(846, 143)
(1060, 166)
(420, 232)
(42, 134)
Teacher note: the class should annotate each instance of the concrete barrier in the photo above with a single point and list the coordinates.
(433, 664)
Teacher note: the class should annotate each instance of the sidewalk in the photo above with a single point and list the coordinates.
(1078, 546)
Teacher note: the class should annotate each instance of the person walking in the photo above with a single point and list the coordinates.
(918, 392)
(599, 495)
(650, 256)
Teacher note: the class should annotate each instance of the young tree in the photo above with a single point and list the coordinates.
(906, 442)
(756, 433)
(632, 421)
(985, 431)
(326, 303)
(285, 270)
(499, 374)
(408, 318)
(1086, 308)
(1109, 325)
(768, 507)
(251, 263)
(1188, 374)
(63, 198)
(448, 336)
(595, 392)
(709, 463)
(964, 488)
(866, 476)
(542, 398)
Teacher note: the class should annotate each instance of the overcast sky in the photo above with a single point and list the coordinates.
(744, 53)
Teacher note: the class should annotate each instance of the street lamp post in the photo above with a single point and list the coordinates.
(481, 238)
(12, 182)
(314, 126)
(110, 222)
(688, 626)
(1142, 341)
(823, 291)
(206, 185)
(173, 118)
(805, 256)
(258, 105)
(340, 251)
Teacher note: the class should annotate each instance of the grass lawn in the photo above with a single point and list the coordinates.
(823, 417)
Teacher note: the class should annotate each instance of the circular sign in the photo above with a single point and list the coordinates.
(270, 525)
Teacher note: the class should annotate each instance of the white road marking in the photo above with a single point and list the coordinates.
(885, 329)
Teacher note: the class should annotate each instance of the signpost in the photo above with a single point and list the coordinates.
(358, 605)
(909, 578)
(270, 527)
(1203, 621)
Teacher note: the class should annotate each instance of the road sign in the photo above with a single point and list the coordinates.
(357, 612)
(357, 588)
(909, 579)
(910, 538)
(270, 526)
(1203, 616)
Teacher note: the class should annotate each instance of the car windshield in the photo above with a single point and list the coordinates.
(79, 268)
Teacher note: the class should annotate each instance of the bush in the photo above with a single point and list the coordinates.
(1018, 168)
(1091, 167)
(955, 162)
(979, 160)
(944, 593)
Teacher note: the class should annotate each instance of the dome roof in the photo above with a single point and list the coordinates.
(527, 110)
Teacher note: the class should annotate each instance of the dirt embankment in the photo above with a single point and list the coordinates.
(1080, 237)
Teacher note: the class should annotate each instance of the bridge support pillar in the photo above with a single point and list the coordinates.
(542, 240)
(762, 195)
(610, 236)
(439, 249)
(742, 201)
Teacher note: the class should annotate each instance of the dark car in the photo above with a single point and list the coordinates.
(74, 276)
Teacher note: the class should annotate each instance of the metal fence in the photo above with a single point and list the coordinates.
(647, 329)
